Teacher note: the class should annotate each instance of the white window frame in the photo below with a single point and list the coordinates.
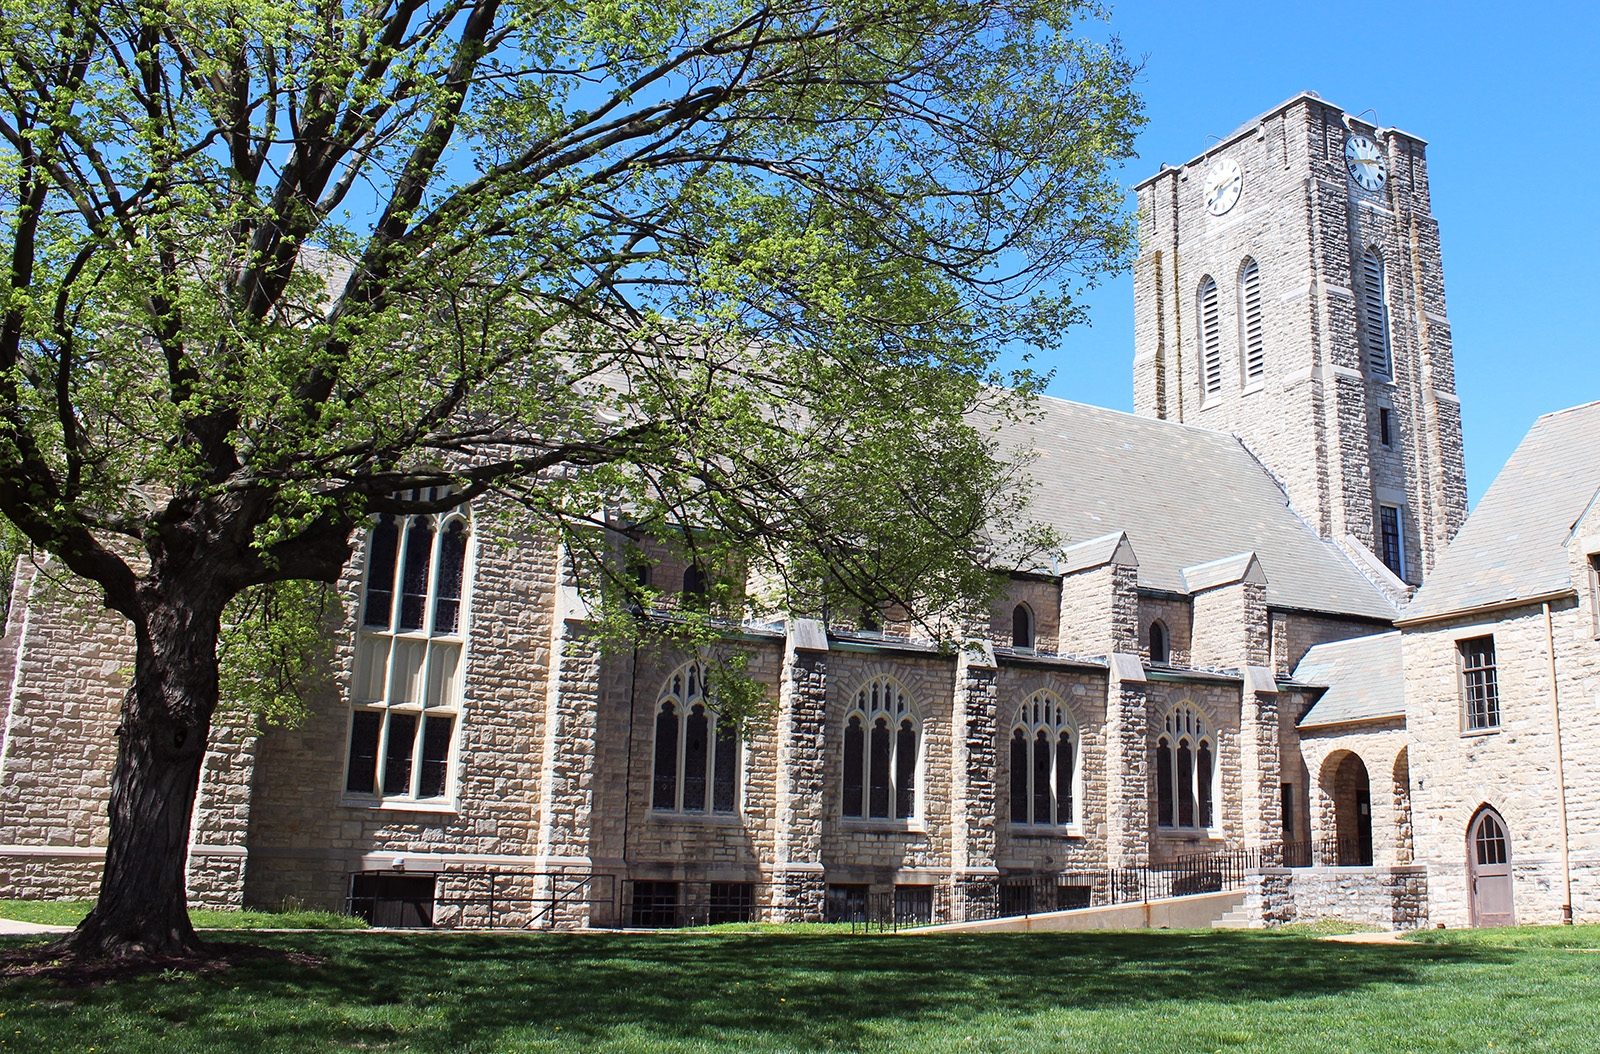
(429, 679)
(1043, 711)
(686, 687)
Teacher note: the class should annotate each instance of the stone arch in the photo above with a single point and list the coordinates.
(1404, 850)
(1346, 799)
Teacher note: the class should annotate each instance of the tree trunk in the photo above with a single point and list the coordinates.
(143, 909)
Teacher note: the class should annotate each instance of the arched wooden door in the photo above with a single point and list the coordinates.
(1489, 870)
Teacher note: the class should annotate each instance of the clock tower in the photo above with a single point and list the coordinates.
(1288, 290)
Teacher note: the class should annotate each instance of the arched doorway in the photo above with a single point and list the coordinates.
(1352, 813)
(1489, 884)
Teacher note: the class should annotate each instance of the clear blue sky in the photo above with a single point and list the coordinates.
(1507, 98)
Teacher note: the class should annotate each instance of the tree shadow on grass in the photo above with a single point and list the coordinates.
(447, 992)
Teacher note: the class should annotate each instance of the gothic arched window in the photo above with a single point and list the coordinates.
(1210, 339)
(1185, 770)
(1160, 646)
(1252, 332)
(407, 684)
(882, 742)
(696, 761)
(1044, 763)
(1375, 315)
(1021, 627)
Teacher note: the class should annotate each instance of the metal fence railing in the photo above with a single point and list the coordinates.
(486, 898)
(481, 899)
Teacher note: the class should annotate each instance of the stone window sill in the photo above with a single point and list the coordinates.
(697, 819)
(1189, 834)
(1475, 733)
(859, 826)
(445, 807)
(1253, 387)
(1029, 830)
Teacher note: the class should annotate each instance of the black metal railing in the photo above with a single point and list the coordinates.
(480, 898)
(1328, 852)
(655, 904)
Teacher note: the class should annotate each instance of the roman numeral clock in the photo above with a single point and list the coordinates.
(1365, 162)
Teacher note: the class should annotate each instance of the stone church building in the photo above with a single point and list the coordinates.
(1229, 663)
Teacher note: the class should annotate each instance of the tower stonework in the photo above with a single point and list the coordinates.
(1289, 290)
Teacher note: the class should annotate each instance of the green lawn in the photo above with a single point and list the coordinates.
(71, 912)
(1183, 993)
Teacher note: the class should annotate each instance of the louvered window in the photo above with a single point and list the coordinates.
(1377, 316)
(1255, 352)
(1210, 339)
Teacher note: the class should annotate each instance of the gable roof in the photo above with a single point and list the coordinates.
(1185, 496)
(1365, 679)
(1514, 545)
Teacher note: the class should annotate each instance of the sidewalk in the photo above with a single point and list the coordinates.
(13, 926)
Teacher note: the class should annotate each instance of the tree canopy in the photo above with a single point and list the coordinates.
(275, 268)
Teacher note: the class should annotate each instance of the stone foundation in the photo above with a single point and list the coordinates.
(1390, 897)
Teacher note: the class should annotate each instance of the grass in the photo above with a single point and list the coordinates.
(1162, 993)
(71, 912)
(1582, 937)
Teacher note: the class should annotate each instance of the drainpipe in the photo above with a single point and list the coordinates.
(1561, 779)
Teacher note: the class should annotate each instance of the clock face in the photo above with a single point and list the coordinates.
(1365, 162)
(1224, 182)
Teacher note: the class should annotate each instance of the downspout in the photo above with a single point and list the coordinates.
(1561, 779)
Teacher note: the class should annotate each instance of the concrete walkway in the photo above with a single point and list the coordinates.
(13, 926)
(1385, 937)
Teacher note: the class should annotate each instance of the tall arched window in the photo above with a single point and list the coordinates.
(1160, 649)
(696, 768)
(406, 690)
(1185, 769)
(1210, 339)
(882, 740)
(1252, 332)
(1021, 626)
(1044, 763)
(1375, 315)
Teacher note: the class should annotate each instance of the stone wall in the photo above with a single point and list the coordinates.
(1511, 768)
(1313, 418)
(1390, 897)
(66, 662)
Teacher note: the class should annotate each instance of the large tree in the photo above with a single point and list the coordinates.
(738, 266)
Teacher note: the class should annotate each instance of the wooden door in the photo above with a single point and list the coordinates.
(1489, 871)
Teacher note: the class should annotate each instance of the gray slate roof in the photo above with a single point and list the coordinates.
(1365, 677)
(1185, 496)
(1514, 545)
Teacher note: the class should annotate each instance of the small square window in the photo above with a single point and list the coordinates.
(1480, 687)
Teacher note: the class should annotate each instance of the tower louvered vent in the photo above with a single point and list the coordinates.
(1255, 352)
(1377, 317)
(1210, 339)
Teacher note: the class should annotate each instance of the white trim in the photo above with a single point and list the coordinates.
(1338, 290)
